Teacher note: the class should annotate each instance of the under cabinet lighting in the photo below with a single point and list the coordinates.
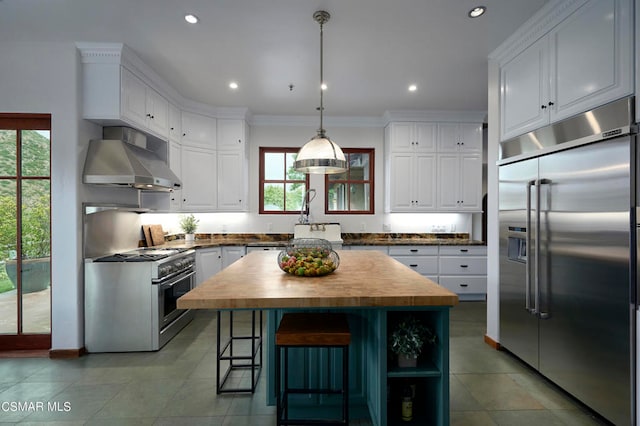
(192, 19)
(413, 88)
(233, 85)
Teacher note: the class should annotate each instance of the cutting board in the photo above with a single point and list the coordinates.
(157, 234)
(147, 235)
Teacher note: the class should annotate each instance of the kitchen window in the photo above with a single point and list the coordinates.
(352, 192)
(282, 188)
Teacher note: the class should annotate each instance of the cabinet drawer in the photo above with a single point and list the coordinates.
(460, 265)
(463, 284)
(413, 250)
(383, 249)
(463, 250)
(425, 265)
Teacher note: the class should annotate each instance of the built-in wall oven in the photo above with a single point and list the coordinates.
(131, 298)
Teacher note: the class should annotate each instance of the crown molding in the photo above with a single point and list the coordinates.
(439, 116)
(313, 121)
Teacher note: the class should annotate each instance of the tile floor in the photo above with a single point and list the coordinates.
(176, 386)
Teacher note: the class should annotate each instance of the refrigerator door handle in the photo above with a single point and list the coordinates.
(528, 248)
(546, 313)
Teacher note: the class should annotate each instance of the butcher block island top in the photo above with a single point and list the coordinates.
(364, 278)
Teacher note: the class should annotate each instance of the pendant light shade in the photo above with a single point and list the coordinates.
(321, 155)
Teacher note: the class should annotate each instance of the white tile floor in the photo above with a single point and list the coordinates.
(176, 386)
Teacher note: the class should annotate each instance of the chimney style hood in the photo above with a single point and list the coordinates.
(122, 159)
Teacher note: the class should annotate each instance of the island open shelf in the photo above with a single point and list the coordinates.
(374, 290)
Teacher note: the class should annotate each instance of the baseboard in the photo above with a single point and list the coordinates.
(489, 341)
(66, 353)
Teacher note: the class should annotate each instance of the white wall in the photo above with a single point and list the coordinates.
(44, 78)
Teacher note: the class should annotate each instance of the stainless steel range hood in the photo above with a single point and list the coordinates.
(122, 159)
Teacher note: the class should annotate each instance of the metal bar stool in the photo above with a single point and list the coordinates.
(307, 330)
(225, 352)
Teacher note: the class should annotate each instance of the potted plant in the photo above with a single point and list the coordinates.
(189, 224)
(408, 338)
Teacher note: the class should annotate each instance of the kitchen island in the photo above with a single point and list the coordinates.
(376, 291)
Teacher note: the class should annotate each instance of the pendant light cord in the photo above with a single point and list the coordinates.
(321, 129)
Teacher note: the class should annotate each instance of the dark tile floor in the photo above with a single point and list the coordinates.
(176, 386)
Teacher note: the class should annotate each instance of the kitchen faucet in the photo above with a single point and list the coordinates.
(305, 202)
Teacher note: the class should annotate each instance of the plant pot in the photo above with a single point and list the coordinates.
(189, 237)
(407, 361)
(36, 274)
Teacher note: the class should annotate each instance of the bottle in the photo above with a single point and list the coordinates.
(407, 404)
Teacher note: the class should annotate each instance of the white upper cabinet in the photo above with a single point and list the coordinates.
(232, 180)
(412, 137)
(584, 61)
(175, 124)
(198, 130)
(231, 134)
(459, 137)
(460, 182)
(412, 182)
(199, 179)
(447, 177)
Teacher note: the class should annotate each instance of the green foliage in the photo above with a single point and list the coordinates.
(189, 224)
(409, 336)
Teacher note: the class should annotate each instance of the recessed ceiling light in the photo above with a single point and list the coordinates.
(477, 11)
(192, 19)
(323, 86)
(413, 88)
(233, 85)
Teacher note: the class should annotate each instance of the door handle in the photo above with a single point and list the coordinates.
(527, 279)
(543, 307)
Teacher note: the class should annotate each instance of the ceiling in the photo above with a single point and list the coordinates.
(373, 49)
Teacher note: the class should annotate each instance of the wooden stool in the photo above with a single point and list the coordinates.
(251, 360)
(307, 330)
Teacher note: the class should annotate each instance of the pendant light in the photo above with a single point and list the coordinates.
(321, 155)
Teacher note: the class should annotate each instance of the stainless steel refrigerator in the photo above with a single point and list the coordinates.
(567, 290)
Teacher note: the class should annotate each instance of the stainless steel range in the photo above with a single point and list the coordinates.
(131, 294)
(130, 299)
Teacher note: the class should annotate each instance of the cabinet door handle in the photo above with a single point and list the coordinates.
(413, 250)
(414, 265)
(543, 106)
(464, 266)
(551, 103)
(184, 134)
(464, 250)
(464, 285)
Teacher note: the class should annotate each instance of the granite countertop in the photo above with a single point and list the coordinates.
(363, 279)
(349, 239)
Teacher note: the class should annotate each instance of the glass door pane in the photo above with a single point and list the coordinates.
(36, 251)
(8, 258)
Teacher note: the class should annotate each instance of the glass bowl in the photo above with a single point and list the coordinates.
(308, 257)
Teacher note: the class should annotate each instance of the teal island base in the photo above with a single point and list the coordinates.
(377, 386)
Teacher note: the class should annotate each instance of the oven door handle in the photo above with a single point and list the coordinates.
(173, 280)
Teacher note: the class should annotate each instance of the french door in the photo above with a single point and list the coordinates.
(25, 231)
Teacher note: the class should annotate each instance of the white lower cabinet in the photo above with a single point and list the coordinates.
(208, 263)
(422, 259)
(383, 249)
(232, 253)
(463, 270)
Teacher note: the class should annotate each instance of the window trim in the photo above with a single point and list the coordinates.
(370, 181)
(261, 180)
